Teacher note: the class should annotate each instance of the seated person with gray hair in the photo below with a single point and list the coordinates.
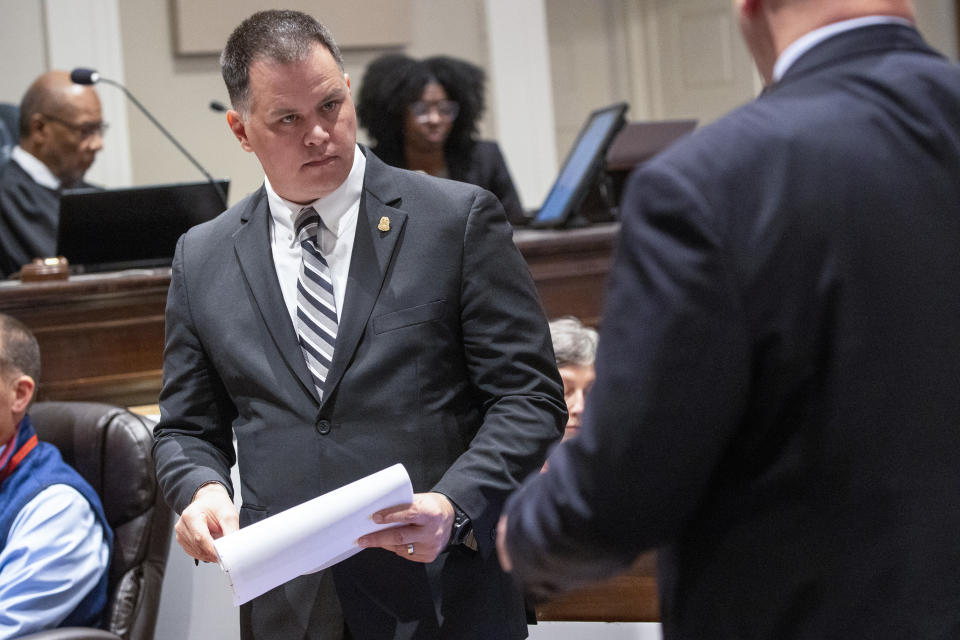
(575, 347)
(54, 539)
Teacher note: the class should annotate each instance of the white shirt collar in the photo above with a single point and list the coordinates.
(332, 207)
(35, 168)
(809, 40)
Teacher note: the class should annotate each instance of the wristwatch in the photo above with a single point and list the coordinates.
(462, 530)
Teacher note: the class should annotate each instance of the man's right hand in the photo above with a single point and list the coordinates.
(211, 515)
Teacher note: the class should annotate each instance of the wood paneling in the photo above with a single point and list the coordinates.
(570, 268)
(101, 336)
(630, 597)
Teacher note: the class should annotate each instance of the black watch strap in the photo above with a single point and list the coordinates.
(462, 530)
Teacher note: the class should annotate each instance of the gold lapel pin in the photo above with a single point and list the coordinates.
(384, 224)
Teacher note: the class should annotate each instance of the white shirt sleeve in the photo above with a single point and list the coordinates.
(55, 554)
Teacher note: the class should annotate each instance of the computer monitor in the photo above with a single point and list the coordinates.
(581, 166)
(640, 141)
(137, 227)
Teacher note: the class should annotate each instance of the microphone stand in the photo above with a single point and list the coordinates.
(163, 130)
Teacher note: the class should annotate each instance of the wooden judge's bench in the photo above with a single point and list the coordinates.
(101, 335)
(101, 339)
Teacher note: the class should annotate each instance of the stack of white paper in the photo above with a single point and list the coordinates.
(310, 536)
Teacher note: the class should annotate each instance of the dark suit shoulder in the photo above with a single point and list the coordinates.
(419, 194)
(228, 222)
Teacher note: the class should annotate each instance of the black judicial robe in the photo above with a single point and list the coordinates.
(29, 213)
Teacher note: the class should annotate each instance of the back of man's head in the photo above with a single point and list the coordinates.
(280, 35)
(770, 26)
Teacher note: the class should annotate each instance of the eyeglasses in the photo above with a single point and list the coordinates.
(87, 130)
(446, 109)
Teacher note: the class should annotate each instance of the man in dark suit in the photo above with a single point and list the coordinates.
(441, 358)
(776, 403)
(61, 129)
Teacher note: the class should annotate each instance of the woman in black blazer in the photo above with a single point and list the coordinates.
(422, 115)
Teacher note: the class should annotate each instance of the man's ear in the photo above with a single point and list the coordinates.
(37, 126)
(346, 77)
(239, 129)
(23, 393)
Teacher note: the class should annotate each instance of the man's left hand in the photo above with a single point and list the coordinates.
(426, 525)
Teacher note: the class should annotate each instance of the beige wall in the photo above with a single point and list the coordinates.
(22, 47)
(937, 20)
(612, 50)
(178, 88)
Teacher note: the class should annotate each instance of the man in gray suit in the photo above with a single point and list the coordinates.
(404, 328)
(777, 405)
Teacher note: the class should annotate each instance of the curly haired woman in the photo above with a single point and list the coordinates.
(422, 115)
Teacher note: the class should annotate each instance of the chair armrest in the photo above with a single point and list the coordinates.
(71, 633)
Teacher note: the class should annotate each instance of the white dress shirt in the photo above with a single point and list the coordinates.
(339, 211)
(809, 40)
(35, 168)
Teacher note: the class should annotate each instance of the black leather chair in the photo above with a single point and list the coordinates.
(111, 448)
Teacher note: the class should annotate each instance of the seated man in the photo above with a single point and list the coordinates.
(60, 134)
(575, 348)
(54, 539)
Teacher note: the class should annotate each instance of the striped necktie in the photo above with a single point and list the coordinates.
(316, 306)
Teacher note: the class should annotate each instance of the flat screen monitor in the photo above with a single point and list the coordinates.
(137, 227)
(640, 141)
(581, 166)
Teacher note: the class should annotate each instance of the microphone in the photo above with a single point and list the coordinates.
(219, 107)
(84, 76)
(90, 76)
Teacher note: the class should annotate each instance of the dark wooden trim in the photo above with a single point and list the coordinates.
(101, 337)
(631, 597)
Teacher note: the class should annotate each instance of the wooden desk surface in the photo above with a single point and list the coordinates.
(630, 597)
(570, 268)
(100, 336)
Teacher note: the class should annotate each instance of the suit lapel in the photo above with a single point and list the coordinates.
(252, 247)
(373, 251)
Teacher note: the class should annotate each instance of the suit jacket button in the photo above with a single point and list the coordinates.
(323, 427)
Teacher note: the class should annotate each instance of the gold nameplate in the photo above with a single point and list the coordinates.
(384, 224)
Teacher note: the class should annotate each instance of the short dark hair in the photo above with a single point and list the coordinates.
(393, 82)
(19, 351)
(280, 35)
